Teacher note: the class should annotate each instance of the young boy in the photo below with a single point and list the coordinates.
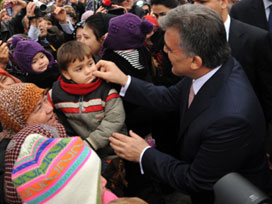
(86, 105)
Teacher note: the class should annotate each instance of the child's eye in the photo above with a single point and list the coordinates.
(78, 69)
(91, 63)
(42, 56)
(33, 62)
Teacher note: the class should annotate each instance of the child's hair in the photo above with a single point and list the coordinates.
(70, 52)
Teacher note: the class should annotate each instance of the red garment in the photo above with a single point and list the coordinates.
(2, 71)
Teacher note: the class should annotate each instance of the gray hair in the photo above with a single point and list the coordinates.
(202, 33)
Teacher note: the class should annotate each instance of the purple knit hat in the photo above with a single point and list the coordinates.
(126, 32)
(25, 50)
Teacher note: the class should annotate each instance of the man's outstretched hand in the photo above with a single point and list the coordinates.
(110, 72)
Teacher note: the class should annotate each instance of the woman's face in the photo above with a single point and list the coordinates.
(90, 40)
(42, 113)
(5, 81)
(79, 34)
(43, 26)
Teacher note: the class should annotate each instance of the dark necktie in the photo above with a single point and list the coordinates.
(270, 19)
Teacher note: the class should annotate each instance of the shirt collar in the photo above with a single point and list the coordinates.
(198, 83)
(267, 4)
(227, 27)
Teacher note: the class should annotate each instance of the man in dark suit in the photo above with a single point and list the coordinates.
(253, 12)
(222, 125)
(251, 47)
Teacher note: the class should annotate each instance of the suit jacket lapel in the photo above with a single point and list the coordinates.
(258, 12)
(235, 37)
(204, 97)
(184, 101)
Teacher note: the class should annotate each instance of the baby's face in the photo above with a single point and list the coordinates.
(40, 62)
(81, 72)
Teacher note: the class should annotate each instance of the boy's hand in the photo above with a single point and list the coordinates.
(110, 72)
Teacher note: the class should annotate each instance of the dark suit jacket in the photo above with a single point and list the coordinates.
(251, 47)
(222, 131)
(251, 12)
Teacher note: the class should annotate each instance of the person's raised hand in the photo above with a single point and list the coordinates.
(74, 2)
(4, 51)
(118, 6)
(59, 3)
(129, 148)
(110, 72)
(30, 9)
(60, 14)
(101, 9)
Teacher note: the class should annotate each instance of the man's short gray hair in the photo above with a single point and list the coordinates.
(202, 33)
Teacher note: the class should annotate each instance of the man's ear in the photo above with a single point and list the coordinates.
(224, 3)
(196, 63)
(66, 74)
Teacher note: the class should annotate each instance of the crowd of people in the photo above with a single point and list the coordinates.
(128, 101)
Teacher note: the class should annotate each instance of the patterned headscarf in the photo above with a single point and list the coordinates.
(13, 150)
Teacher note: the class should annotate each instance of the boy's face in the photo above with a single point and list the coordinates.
(40, 62)
(81, 72)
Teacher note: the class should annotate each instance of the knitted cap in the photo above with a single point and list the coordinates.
(17, 102)
(86, 15)
(126, 32)
(51, 170)
(25, 50)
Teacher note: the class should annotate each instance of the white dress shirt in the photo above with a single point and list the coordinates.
(267, 4)
(227, 27)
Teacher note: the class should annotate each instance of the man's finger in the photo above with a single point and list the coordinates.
(117, 142)
(121, 137)
(133, 134)
(101, 63)
(100, 74)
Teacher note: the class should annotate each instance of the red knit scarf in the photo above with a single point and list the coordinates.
(80, 89)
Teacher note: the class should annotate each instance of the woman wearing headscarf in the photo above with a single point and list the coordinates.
(25, 111)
